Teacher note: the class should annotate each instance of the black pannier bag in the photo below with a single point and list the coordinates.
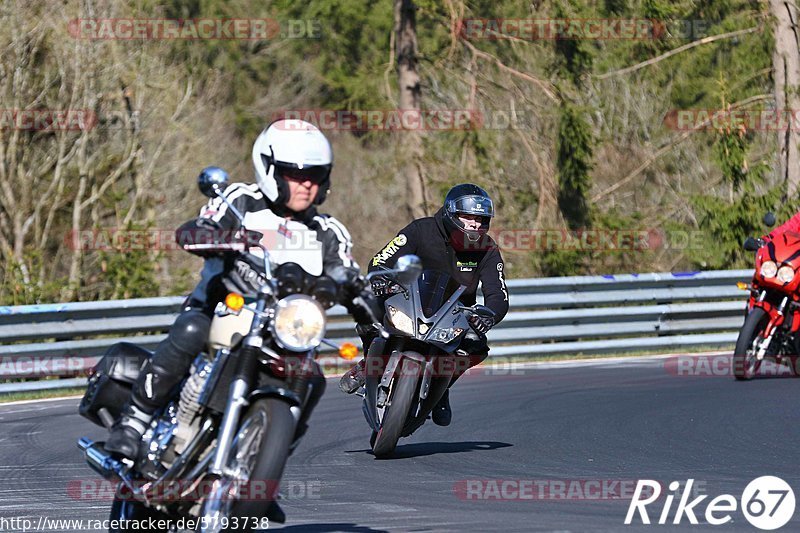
(111, 381)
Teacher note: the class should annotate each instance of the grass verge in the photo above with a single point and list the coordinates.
(40, 394)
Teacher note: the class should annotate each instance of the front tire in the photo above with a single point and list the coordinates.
(745, 362)
(396, 413)
(260, 453)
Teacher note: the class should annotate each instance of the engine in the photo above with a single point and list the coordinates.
(189, 406)
(173, 430)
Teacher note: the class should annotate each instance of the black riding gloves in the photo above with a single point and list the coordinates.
(379, 286)
(481, 324)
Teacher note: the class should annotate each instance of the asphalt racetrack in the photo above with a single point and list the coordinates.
(545, 448)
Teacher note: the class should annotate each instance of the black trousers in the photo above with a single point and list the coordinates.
(172, 359)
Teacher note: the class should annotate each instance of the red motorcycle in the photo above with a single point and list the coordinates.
(772, 323)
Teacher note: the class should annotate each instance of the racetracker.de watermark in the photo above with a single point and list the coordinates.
(47, 120)
(724, 366)
(367, 120)
(591, 29)
(247, 29)
(544, 489)
(29, 366)
(607, 240)
(496, 366)
(733, 119)
(183, 490)
(19, 366)
(165, 240)
(382, 119)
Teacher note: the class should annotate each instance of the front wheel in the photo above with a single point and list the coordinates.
(396, 413)
(745, 362)
(259, 453)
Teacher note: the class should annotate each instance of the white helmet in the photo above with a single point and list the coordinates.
(294, 146)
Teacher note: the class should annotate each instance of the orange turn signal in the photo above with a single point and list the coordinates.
(348, 351)
(742, 285)
(234, 301)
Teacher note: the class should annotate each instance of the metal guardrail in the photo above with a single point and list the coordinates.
(548, 316)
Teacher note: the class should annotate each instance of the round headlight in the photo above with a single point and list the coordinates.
(785, 274)
(299, 323)
(769, 269)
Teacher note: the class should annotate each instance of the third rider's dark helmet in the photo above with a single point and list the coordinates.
(467, 199)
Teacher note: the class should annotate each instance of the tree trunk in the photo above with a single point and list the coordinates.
(786, 67)
(405, 27)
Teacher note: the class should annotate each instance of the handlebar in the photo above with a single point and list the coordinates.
(477, 309)
(216, 247)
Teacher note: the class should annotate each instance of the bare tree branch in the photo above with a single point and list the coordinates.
(140, 189)
(546, 87)
(669, 146)
(689, 46)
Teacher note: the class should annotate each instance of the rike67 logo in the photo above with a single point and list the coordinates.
(767, 503)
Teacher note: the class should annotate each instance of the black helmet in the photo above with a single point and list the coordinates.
(468, 199)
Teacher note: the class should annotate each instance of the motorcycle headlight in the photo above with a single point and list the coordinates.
(769, 269)
(785, 274)
(401, 321)
(299, 323)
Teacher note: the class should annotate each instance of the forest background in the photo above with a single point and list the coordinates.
(680, 136)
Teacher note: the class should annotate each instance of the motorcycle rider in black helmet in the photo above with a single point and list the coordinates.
(455, 241)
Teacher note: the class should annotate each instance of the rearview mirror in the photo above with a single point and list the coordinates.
(750, 244)
(212, 181)
(409, 268)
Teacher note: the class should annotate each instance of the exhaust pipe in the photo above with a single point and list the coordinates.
(101, 461)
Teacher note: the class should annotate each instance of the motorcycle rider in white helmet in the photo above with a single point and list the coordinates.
(292, 161)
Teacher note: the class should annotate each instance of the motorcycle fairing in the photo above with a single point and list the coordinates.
(413, 304)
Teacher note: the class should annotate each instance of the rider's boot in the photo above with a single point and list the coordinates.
(353, 379)
(126, 434)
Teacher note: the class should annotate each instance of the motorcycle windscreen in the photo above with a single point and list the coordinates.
(435, 288)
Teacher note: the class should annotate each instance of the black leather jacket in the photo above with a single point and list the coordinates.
(318, 243)
(429, 239)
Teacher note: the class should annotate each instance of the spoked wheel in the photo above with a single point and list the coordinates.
(745, 361)
(239, 500)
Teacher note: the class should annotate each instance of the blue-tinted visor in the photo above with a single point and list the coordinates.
(472, 205)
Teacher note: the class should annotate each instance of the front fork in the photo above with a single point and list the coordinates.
(242, 383)
(777, 317)
(237, 400)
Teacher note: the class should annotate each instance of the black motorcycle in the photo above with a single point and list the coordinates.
(213, 457)
(409, 367)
